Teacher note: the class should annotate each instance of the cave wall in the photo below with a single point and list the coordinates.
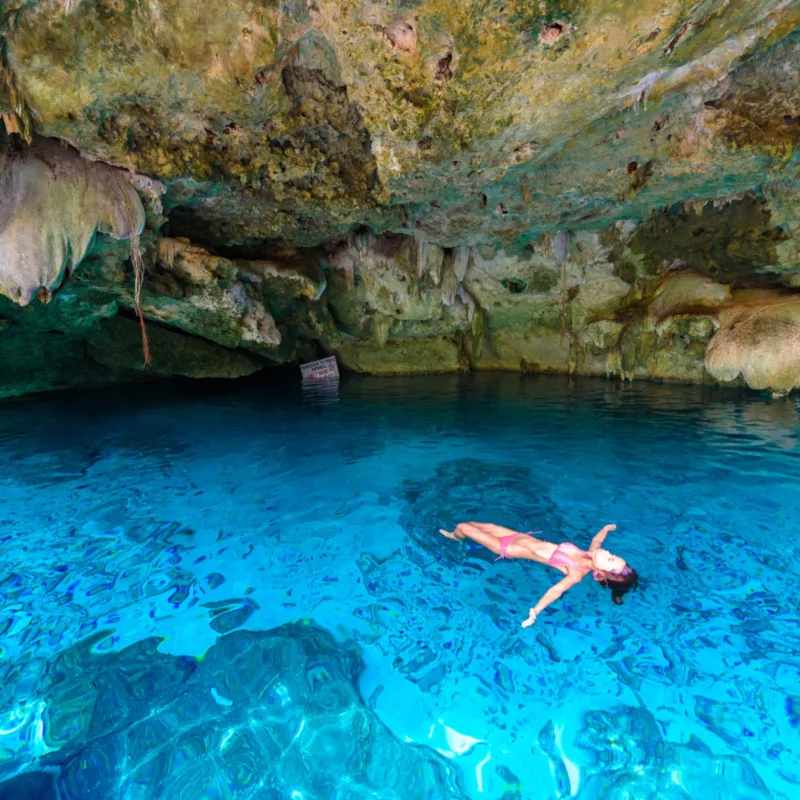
(605, 188)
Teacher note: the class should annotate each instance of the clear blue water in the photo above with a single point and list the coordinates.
(243, 594)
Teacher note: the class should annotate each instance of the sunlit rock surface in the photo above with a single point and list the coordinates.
(423, 187)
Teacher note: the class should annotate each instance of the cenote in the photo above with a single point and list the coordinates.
(240, 591)
(554, 249)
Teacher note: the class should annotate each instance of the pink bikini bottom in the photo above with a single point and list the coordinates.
(506, 542)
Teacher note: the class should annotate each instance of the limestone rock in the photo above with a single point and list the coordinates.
(395, 277)
(524, 352)
(679, 292)
(402, 35)
(300, 120)
(759, 339)
(52, 203)
(403, 356)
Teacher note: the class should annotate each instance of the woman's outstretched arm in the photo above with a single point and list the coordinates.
(551, 595)
(600, 537)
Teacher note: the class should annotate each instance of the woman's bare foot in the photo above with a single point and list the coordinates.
(448, 534)
(531, 619)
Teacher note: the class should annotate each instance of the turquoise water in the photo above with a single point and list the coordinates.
(243, 594)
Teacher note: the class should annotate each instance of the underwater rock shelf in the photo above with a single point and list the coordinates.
(593, 188)
(261, 712)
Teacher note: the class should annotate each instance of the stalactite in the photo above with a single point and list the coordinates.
(167, 249)
(435, 268)
(343, 261)
(454, 264)
(52, 203)
(381, 325)
(18, 118)
(639, 93)
(362, 242)
(138, 268)
(478, 327)
(562, 246)
(419, 238)
(461, 261)
(467, 299)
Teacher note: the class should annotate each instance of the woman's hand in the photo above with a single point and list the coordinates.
(600, 537)
(531, 619)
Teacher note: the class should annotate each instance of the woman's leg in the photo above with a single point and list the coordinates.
(478, 533)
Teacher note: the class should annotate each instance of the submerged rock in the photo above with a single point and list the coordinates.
(633, 759)
(260, 712)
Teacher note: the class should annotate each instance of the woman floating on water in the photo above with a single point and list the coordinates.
(609, 570)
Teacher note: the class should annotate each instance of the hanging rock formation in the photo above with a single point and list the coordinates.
(52, 203)
(394, 184)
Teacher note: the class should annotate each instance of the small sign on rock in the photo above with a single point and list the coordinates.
(320, 370)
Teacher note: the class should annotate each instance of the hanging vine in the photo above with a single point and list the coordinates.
(138, 268)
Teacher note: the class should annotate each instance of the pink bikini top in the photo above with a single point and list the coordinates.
(563, 557)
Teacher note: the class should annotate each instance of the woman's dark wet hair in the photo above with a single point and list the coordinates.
(622, 582)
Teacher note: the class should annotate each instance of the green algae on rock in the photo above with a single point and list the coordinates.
(115, 343)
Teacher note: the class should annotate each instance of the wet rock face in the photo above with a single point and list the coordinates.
(440, 187)
(262, 712)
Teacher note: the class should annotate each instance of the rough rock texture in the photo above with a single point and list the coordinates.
(416, 186)
(758, 338)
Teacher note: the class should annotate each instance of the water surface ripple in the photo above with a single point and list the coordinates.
(240, 592)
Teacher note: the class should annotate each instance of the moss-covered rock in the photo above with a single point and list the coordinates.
(403, 356)
(36, 361)
(116, 343)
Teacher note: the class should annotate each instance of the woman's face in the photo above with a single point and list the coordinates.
(607, 562)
